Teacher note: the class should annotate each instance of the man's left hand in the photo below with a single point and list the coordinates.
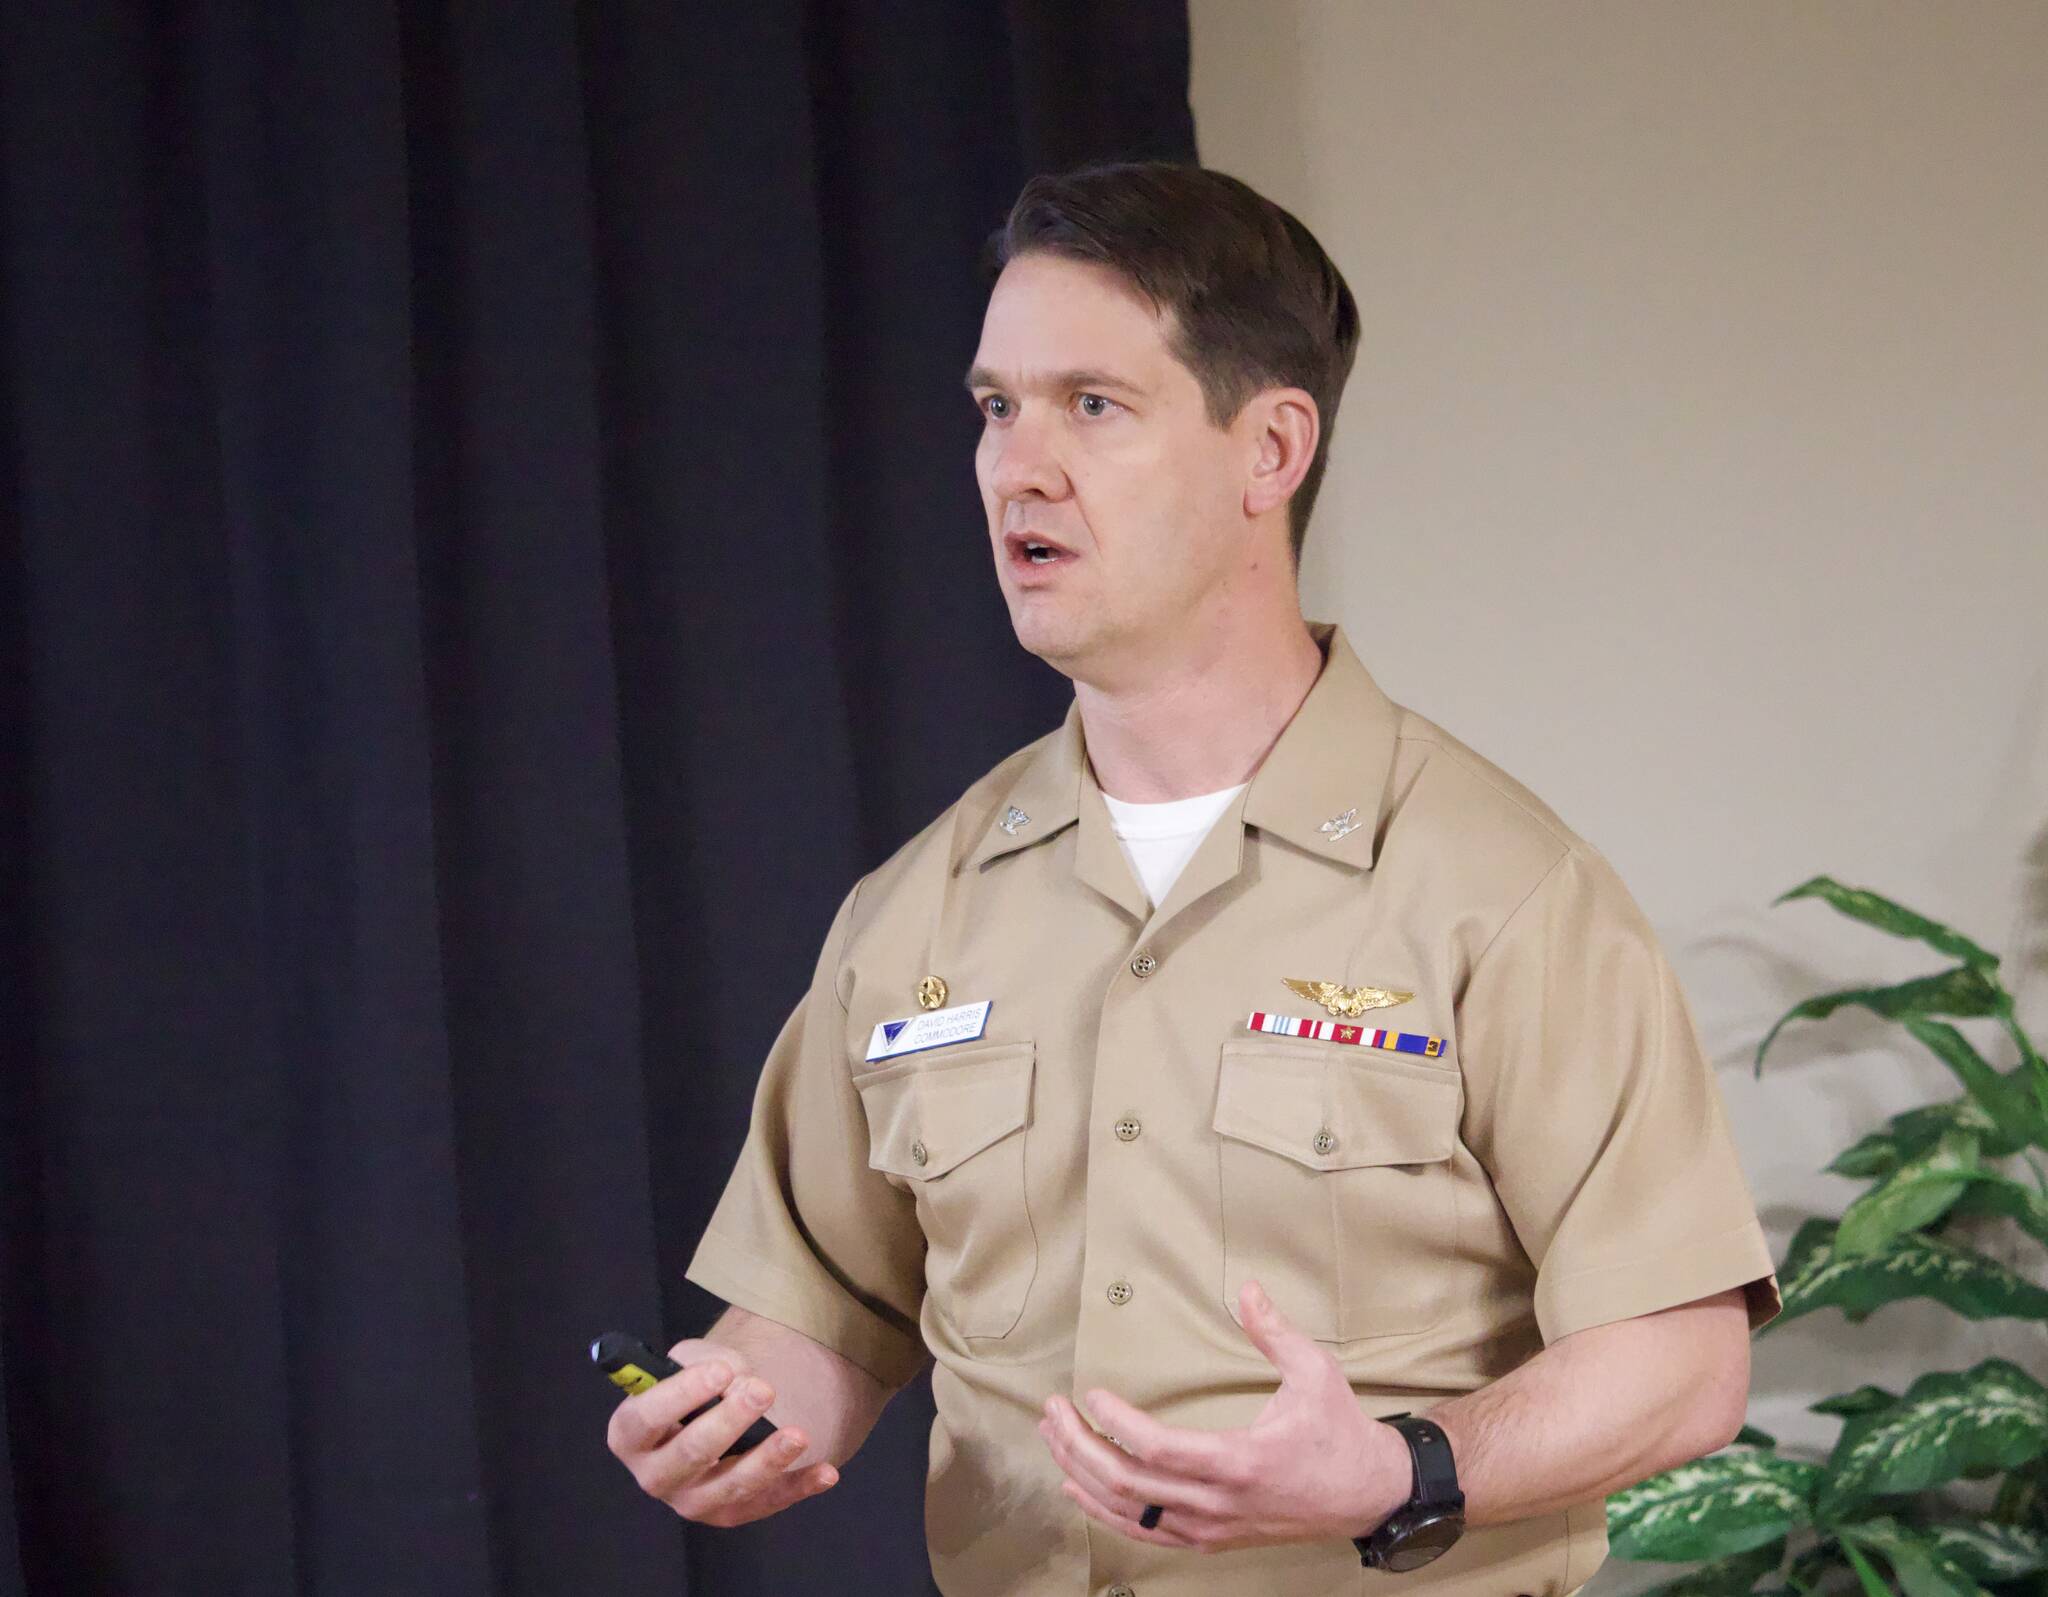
(1313, 1466)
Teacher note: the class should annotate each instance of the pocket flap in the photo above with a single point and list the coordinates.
(1320, 1108)
(926, 1115)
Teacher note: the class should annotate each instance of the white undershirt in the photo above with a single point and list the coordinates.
(1159, 839)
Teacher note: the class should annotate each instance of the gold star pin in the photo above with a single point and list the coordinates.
(1346, 1002)
(931, 992)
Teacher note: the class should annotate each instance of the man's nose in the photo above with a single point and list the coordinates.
(1027, 462)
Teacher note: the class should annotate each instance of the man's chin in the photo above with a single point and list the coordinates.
(1060, 640)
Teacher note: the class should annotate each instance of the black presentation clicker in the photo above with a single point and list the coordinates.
(632, 1366)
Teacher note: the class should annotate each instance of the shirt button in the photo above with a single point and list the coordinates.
(1127, 1129)
(918, 1153)
(1119, 1293)
(1143, 966)
(1121, 1590)
(1326, 1141)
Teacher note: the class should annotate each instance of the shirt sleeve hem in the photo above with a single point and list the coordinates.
(1689, 1271)
(855, 1333)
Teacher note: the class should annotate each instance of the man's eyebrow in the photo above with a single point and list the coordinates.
(1057, 382)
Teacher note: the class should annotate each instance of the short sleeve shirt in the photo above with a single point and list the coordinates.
(1494, 1126)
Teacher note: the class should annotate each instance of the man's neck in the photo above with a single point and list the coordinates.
(1203, 720)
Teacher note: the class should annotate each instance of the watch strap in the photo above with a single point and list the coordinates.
(1436, 1474)
(1433, 1493)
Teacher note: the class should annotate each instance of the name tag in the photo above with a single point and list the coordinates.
(961, 1023)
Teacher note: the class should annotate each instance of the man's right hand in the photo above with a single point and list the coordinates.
(684, 1465)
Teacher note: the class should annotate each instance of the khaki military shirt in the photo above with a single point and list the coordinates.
(1071, 1198)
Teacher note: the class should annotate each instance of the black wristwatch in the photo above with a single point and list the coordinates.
(1434, 1515)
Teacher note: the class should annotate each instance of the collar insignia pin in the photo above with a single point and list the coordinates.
(1012, 819)
(1341, 825)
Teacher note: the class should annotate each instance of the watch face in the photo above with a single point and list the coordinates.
(1429, 1535)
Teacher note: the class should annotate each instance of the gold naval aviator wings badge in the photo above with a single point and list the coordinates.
(1347, 1002)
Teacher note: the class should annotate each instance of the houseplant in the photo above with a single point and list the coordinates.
(1881, 1512)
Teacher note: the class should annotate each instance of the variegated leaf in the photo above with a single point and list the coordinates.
(1873, 909)
(2008, 1100)
(1725, 1577)
(1914, 1266)
(1922, 1568)
(1917, 1192)
(1882, 1152)
(1876, 1153)
(1750, 1436)
(1964, 991)
(1991, 1551)
(1950, 1423)
(1990, 1193)
(1713, 1507)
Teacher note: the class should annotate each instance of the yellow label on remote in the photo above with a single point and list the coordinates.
(633, 1379)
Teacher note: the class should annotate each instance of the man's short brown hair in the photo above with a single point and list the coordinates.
(1255, 302)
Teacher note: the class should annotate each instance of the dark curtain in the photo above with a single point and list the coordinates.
(491, 552)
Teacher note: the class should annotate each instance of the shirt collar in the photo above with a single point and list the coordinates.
(1319, 787)
(1044, 799)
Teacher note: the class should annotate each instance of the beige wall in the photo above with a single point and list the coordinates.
(1695, 469)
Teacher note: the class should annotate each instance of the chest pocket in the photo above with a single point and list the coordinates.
(1337, 1190)
(950, 1126)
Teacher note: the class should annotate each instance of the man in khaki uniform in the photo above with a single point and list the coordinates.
(1390, 1101)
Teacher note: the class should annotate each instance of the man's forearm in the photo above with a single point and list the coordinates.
(832, 1400)
(1601, 1409)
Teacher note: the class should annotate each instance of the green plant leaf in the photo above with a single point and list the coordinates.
(1876, 1153)
(1873, 1582)
(1876, 910)
(1750, 1436)
(1992, 1416)
(2033, 1068)
(1922, 1568)
(1989, 1193)
(2007, 1100)
(1713, 1507)
(1918, 1191)
(1725, 1577)
(1863, 1400)
(1882, 1152)
(1914, 1266)
(1989, 1550)
(1965, 991)
(2023, 1496)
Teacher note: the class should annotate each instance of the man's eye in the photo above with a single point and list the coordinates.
(984, 406)
(1096, 399)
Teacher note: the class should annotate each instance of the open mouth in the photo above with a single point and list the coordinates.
(1030, 548)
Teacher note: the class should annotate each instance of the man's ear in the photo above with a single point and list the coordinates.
(1284, 428)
